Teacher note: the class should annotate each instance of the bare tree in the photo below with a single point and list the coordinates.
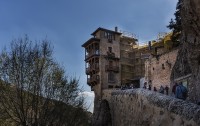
(34, 88)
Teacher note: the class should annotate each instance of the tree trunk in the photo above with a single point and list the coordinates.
(189, 54)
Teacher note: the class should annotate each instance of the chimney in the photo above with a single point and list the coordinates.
(116, 29)
(149, 45)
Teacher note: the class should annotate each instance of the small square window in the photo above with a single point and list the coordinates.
(163, 66)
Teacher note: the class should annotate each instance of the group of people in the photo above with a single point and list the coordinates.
(124, 87)
(164, 90)
(178, 90)
(161, 90)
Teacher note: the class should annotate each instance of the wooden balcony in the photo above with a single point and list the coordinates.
(92, 68)
(91, 81)
(87, 71)
(92, 54)
(112, 68)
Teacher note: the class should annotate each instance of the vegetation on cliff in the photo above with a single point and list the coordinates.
(175, 25)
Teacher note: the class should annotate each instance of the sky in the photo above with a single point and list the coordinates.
(67, 24)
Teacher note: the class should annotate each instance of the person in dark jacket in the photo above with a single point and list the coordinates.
(161, 90)
(181, 91)
(149, 87)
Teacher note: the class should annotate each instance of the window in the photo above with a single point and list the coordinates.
(109, 35)
(97, 77)
(163, 66)
(110, 49)
(97, 52)
(137, 60)
(110, 63)
(110, 86)
(105, 34)
(97, 49)
(111, 77)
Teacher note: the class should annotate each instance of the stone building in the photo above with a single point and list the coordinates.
(112, 59)
(160, 65)
(158, 68)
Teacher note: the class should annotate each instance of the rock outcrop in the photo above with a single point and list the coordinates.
(188, 60)
(102, 116)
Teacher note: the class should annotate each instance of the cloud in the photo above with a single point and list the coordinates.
(89, 99)
(87, 94)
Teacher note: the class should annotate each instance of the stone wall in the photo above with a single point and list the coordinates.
(139, 107)
(106, 94)
(158, 70)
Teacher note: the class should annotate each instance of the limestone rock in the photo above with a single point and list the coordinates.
(102, 116)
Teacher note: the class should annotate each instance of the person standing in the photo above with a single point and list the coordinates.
(167, 89)
(161, 90)
(131, 86)
(145, 85)
(154, 89)
(174, 88)
(149, 86)
(181, 91)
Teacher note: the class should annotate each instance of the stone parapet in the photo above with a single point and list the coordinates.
(139, 107)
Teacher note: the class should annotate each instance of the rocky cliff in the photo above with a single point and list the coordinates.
(188, 60)
(102, 115)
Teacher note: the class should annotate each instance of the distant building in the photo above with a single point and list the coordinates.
(112, 60)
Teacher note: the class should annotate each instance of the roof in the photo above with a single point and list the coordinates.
(89, 41)
(103, 29)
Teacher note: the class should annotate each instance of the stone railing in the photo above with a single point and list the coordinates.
(139, 107)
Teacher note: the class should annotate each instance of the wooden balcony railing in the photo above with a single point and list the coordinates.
(93, 53)
(92, 68)
(93, 80)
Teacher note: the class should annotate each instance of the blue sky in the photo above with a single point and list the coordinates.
(69, 23)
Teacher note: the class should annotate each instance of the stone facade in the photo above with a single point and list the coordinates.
(107, 62)
(102, 60)
(158, 69)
